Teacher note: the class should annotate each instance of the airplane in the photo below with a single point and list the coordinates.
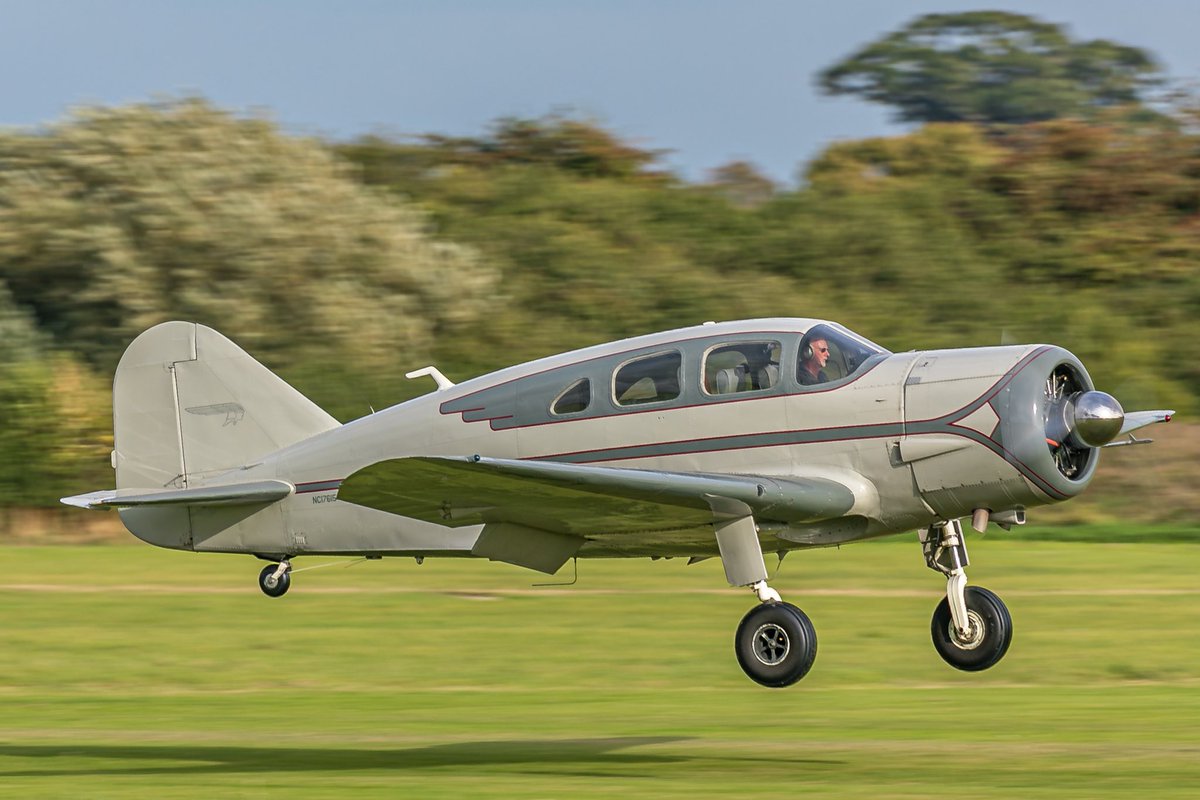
(727, 440)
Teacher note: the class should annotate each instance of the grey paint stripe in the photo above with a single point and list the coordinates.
(317, 486)
(788, 438)
(739, 442)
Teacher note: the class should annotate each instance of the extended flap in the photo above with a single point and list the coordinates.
(526, 547)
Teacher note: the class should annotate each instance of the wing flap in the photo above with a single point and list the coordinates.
(526, 547)
(252, 492)
(580, 499)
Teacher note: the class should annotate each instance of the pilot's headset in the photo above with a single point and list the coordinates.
(806, 350)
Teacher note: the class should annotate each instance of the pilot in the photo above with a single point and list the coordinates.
(813, 356)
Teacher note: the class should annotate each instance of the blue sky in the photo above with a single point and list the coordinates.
(711, 81)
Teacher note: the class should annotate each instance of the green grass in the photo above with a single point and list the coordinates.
(1157, 533)
(130, 672)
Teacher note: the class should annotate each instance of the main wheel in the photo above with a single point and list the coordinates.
(987, 640)
(775, 644)
(272, 586)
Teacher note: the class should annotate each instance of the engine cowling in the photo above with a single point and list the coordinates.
(1053, 420)
(1032, 412)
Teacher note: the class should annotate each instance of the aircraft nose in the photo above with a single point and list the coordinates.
(1097, 417)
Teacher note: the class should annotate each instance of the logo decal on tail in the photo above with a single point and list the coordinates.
(233, 412)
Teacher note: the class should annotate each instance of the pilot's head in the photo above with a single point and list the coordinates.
(817, 353)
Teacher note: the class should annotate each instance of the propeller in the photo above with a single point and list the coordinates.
(1078, 419)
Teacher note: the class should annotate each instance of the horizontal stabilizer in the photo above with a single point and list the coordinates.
(227, 495)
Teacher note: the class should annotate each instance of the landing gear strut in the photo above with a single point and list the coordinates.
(775, 643)
(276, 579)
(971, 626)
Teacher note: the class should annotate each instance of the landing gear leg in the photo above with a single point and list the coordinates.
(276, 579)
(765, 593)
(775, 643)
(971, 627)
(945, 550)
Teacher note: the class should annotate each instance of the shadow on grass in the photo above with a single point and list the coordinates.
(607, 756)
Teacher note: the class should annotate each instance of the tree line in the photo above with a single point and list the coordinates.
(344, 265)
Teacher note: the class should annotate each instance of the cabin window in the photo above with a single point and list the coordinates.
(651, 379)
(575, 398)
(741, 367)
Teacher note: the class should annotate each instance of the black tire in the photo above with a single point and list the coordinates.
(775, 644)
(990, 644)
(281, 586)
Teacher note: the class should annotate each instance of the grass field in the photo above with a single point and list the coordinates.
(130, 672)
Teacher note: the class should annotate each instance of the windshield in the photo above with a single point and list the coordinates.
(830, 353)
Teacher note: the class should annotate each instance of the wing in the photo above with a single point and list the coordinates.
(538, 514)
(581, 500)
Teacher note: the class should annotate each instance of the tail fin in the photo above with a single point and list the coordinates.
(188, 402)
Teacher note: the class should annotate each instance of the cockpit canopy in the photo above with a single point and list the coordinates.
(719, 365)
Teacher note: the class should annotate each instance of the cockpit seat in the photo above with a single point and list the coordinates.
(642, 391)
(728, 381)
(768, 376)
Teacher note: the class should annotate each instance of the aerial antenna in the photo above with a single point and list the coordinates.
(781, 554)
(572, 582)
(442, 381)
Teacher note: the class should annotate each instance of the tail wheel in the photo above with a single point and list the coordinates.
(987, 639)
(776, 644)
(274, 586)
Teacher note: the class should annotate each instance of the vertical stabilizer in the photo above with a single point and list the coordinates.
(188, 403)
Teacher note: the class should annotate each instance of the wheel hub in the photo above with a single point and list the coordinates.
(771, 644)
(974, 635)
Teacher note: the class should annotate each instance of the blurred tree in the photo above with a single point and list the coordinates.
(120, 218)
(948, 236)
(577, 146)
(20, 339)
(741, 183)
(591, 249)
(1081, 234)
(57, 419)
(992, 66)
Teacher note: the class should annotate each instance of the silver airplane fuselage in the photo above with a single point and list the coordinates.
(916, 436)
